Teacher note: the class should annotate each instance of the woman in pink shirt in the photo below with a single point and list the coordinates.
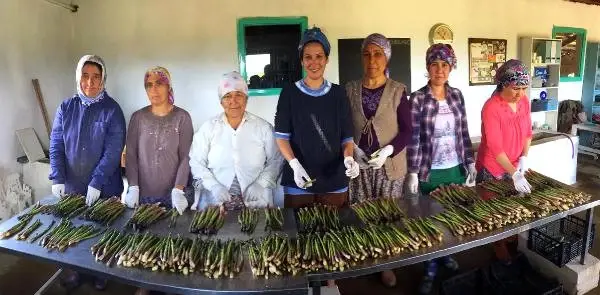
(506, 134)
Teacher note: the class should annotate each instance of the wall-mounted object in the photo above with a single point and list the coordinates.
(573, 42)
(441, 33)
(485, 57)
(541, 56)
(350, 60)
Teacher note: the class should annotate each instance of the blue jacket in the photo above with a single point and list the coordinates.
(86, 145)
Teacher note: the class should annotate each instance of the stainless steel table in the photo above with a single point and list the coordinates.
(80, 258)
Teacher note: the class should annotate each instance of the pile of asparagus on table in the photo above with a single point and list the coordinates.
(467, 214)
(319, 218)
(210, 257)
(146, 215)
(380, 210)
(208, 221)
(337, 250)
(105, 211)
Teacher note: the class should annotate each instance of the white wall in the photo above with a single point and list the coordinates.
(36, 43)
(196, 40)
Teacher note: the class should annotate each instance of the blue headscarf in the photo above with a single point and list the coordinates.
(314, 35)
(442, 52)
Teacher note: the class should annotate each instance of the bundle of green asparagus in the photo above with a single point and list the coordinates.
(42, 233)
(66, 235)
(16, 228)
(67, 207)
(459, 221)
(24, 235)
(319, 218)
(274, 255)
(105, 211)
(145, 215)
(35, 209)
(207, 221)
(274, 219)
(423, 231)
(248, 219)
(379, 210)
(213, 258)
(173, 219)
(452, 195)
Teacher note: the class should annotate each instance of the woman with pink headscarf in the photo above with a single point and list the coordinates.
(158, 145)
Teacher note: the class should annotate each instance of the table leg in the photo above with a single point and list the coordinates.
(49, 282)
(589, 213)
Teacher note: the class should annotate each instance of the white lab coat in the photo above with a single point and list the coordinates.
(219, 153)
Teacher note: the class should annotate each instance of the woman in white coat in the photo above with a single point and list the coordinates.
(234, 159)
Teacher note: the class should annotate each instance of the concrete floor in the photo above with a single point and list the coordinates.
(24, 276)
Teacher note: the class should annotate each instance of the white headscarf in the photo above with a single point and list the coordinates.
(230, 82)
(97, 60)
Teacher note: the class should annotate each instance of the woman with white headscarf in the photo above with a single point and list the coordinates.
(158, 144)
(86, 142)
(234, 159)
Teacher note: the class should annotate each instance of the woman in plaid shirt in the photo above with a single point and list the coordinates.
(440, 151)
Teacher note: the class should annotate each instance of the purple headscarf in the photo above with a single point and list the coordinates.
(442, 52)
(165, 77)
(512, 73)
(381, 41)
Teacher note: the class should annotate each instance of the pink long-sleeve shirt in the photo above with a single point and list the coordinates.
(503, 130)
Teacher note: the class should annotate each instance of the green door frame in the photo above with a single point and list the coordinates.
(583, 34)
(242, 23)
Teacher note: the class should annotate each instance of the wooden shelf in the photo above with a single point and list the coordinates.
(549, 87)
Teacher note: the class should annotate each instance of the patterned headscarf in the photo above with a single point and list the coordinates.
(78, 71)
(381, 41)
(442, 52)
(230, 82)
(165, 77)
(314, 35)
(512, 73)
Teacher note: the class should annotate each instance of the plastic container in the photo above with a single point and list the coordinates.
(468, 283)
(560, 241)
(551, 104)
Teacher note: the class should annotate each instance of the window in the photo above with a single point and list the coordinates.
(572, 52)
(268, 52)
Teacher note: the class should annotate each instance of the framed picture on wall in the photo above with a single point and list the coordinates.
(485, 57)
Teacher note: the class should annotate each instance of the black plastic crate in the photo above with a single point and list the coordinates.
(519, 278)
(560, 241)
(468, 283)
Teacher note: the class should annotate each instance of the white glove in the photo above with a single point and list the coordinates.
(220, 194)
(352, 168)
(178, 200)
(523, 167)
(360, 157)
(413, 183)
(197, 193)
(380, 156)
(254, 192)
(300, 176)
(92, 195)
(471, 175)
(58, 190)
(521, 184)
(132, 198)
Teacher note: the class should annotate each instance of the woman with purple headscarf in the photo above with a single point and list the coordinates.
(440, 151)
(506, 135)
(158, 145)
(375, 101)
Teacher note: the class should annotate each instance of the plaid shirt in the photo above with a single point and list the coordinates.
(424, 109)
